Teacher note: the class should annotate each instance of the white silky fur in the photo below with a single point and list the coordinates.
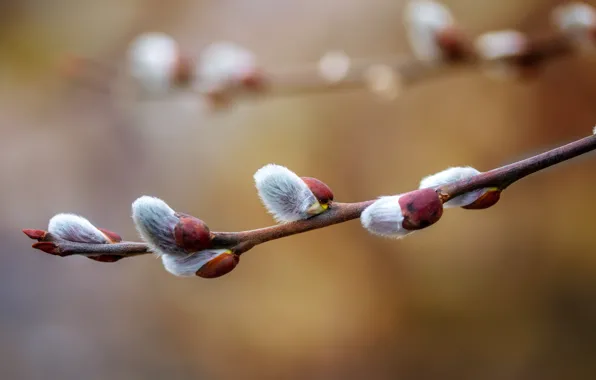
(155, 222)
(283, 193)
(574, 16)
(76, 228)
(450, 175)
(423, 19)
(223, 64)
(152, 61)
(186, 266)
(384, 218)
(500, 44)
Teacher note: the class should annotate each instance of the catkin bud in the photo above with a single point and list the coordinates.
(399, 215)
(455, 174)
(334, 66)
(288, 197)
(155, 222)
(507, 54)
(157, 64)
(223, 68)
(578, 20)
(77, 229)
(431, 31)
(211, 263)
(191, 234)
(489, 198)
(182, 241)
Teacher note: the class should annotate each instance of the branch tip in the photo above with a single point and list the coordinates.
(35, 234)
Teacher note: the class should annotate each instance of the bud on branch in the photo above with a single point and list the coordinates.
(224, 70)
(187, 247)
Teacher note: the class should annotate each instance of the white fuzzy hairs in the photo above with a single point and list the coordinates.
(76, 228)
(153, 58)
(223, 64)
(574, 16)
(155, 222)
(423, 19)
(384, 218)
(188, 265)
(283, 193)
(450, 175)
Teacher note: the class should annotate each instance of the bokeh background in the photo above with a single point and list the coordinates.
(506, 293)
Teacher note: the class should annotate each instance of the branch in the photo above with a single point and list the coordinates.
(240, 242)
(223, 71)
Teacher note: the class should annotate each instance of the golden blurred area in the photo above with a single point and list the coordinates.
(505, 293)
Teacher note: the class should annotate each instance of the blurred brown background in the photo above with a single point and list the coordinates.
(507, 293)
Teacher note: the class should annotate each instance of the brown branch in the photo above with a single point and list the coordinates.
(240, 242)
(306, 79)
(411, 71)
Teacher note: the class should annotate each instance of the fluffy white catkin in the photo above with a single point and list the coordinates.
(283, 193)
(450, 175)
(155, 222)
(76, 228)
(384, 218)
(423, 19)
(188, 265)
(152, 61)
(223, 64)
(574, 16)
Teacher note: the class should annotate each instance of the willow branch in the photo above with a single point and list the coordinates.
(410, 71)
(240, 242)
(458, 53)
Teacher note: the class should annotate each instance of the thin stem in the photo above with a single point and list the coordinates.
(306, 79)
(337, 213)
(504, 176)
(240, 242)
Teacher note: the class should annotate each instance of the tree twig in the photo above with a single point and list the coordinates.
(407, 70)
(240, 242)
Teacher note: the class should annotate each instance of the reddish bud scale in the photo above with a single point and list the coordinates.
(192, 234)
(112, 236)
(253, 81)
(106, 258)
(486, 200)
(184, 70)
(320, 190)
(219, 266)
(35, 234)
(47, 247)
(420, 208)
(529, 61)
(453, 44)
(218, 99)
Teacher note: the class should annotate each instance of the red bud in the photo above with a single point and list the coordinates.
(420, 208)
(486, 200)
(453, 44)
(112, 236)
(184, 71)
(35, 234)
(253, 80)
(219, 265)
(106, 258)
(47, 247)
(321, 191)
(192, 234)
